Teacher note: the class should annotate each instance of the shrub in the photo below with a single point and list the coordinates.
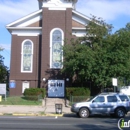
(77, 91)
(34, 93)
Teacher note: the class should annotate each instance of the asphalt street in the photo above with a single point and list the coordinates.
(58, 123)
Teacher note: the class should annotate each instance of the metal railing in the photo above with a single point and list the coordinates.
(74, 99)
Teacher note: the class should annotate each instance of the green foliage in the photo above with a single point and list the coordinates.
(3, 70)
(33, 93)
(77, 91)
(78, 60)
(17, 100)
(100, 55)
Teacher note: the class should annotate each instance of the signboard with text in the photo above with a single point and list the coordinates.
(56, 88)
(12, 84)
(3, 90)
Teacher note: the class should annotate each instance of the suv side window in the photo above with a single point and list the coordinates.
(99, 99)
(111, 98)
(123, 98)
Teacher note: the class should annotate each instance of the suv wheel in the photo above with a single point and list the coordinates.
(84, 113)
(120, 112)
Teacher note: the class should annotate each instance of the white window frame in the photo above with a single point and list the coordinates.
(62, 43)
(22, 57)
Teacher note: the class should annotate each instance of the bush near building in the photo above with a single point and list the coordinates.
(34, 93)
(77, 91)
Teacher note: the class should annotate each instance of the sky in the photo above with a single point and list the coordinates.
(115, 12)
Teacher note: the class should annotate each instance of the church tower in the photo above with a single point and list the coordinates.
(56, 28)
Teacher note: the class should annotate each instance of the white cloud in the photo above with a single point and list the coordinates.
(107, 9)
(11, 10)
(5, 46)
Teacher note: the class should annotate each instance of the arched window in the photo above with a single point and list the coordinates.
(27, 56)
(56, 52)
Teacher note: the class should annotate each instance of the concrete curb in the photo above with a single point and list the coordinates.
(39, 114)
(30, 114)
(60, 115)
(1, 114)
(24, 114)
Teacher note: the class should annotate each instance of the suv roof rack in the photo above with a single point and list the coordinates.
(106, 93)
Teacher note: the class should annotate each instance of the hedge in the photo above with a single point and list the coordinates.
(77, 91)
(34, 93)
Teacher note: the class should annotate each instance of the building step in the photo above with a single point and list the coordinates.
(53, 101)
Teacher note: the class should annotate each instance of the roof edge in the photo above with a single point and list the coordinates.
(82, 15)
(29, 28)
(76, 28)
(23, 18)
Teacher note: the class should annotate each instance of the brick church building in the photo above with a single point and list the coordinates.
(36, 46)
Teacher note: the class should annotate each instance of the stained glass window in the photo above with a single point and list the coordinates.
(56, 50)
(27, 54)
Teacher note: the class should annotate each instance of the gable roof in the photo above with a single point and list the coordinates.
(23, 26)
(27, 20)
(79, 23)
(33, 20)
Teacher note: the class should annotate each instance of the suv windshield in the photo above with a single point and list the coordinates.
(91, 98)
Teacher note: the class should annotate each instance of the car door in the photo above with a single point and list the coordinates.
(98, 105)
(111, 103)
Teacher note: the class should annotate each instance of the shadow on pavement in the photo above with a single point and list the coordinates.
(92, 116)
(70, 115)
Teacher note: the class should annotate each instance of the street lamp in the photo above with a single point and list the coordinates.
(67, 80)
(44, 85)
(44, 79)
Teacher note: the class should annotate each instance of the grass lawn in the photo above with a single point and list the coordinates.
(17, 100)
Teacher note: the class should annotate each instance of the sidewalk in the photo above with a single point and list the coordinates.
(20, 110)
(46, 109)
(31, 110)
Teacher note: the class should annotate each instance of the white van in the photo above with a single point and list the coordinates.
(125, 90)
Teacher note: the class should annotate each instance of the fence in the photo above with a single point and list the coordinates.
(74, 99)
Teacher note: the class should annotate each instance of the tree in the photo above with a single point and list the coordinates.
(120, 56)
(100, 55)
(3, 69)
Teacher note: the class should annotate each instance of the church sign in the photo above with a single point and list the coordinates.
(3, 90)
(12, 84)
(56, 88)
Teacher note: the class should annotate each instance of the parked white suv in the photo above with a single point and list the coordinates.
(115, 104)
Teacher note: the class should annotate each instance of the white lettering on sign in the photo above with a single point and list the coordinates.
(56, 88)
